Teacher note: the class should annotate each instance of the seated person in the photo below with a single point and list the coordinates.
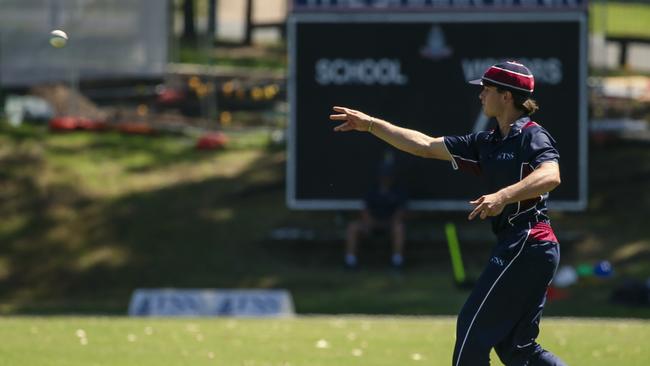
(383, 209)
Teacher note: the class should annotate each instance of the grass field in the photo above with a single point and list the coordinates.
(620, 19)
(308, 341)
(86, 218)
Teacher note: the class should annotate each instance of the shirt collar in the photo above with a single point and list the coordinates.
(515, 129)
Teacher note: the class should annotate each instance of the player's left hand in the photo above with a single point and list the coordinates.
(487, 205)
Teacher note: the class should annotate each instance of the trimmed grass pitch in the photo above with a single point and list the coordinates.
(309, 341)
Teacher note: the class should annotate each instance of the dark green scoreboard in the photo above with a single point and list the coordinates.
(412, 69)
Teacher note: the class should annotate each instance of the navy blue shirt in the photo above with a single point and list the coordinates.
(506, 161)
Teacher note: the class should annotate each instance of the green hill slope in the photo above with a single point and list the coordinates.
(87, 218)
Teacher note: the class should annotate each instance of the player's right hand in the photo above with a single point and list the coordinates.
(352, 119)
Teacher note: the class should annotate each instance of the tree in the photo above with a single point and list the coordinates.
(212, 19)
(248, 34)
(189, 28)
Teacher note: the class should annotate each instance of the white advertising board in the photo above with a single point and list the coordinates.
(211, 302)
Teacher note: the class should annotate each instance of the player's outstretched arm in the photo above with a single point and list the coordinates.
(411, 141)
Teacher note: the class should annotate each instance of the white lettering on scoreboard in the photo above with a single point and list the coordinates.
(367, 71)
(546, 70)
(211, 302)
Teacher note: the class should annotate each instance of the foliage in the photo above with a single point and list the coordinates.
(620, 19)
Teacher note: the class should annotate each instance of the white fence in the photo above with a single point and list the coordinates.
(107, 39)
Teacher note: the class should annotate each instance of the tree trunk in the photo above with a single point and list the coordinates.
(248, 23)
(212, 19)
(189, 28)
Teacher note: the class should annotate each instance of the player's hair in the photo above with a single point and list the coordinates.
(522, 101)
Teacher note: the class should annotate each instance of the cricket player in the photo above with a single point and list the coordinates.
(521, 163)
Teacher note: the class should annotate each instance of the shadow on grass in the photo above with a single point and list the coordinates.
(159, 151)
(64, 252)
(59, 244)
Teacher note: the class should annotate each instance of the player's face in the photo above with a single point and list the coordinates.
(492, 101)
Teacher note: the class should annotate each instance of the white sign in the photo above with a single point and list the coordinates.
(211, 302)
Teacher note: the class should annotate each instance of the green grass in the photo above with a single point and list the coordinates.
(313, 341)
(620, 19)
(86, 218)
(82, 208)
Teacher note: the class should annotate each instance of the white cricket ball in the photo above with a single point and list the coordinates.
(58, 38)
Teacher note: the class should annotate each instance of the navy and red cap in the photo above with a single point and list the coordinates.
(510, 75)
